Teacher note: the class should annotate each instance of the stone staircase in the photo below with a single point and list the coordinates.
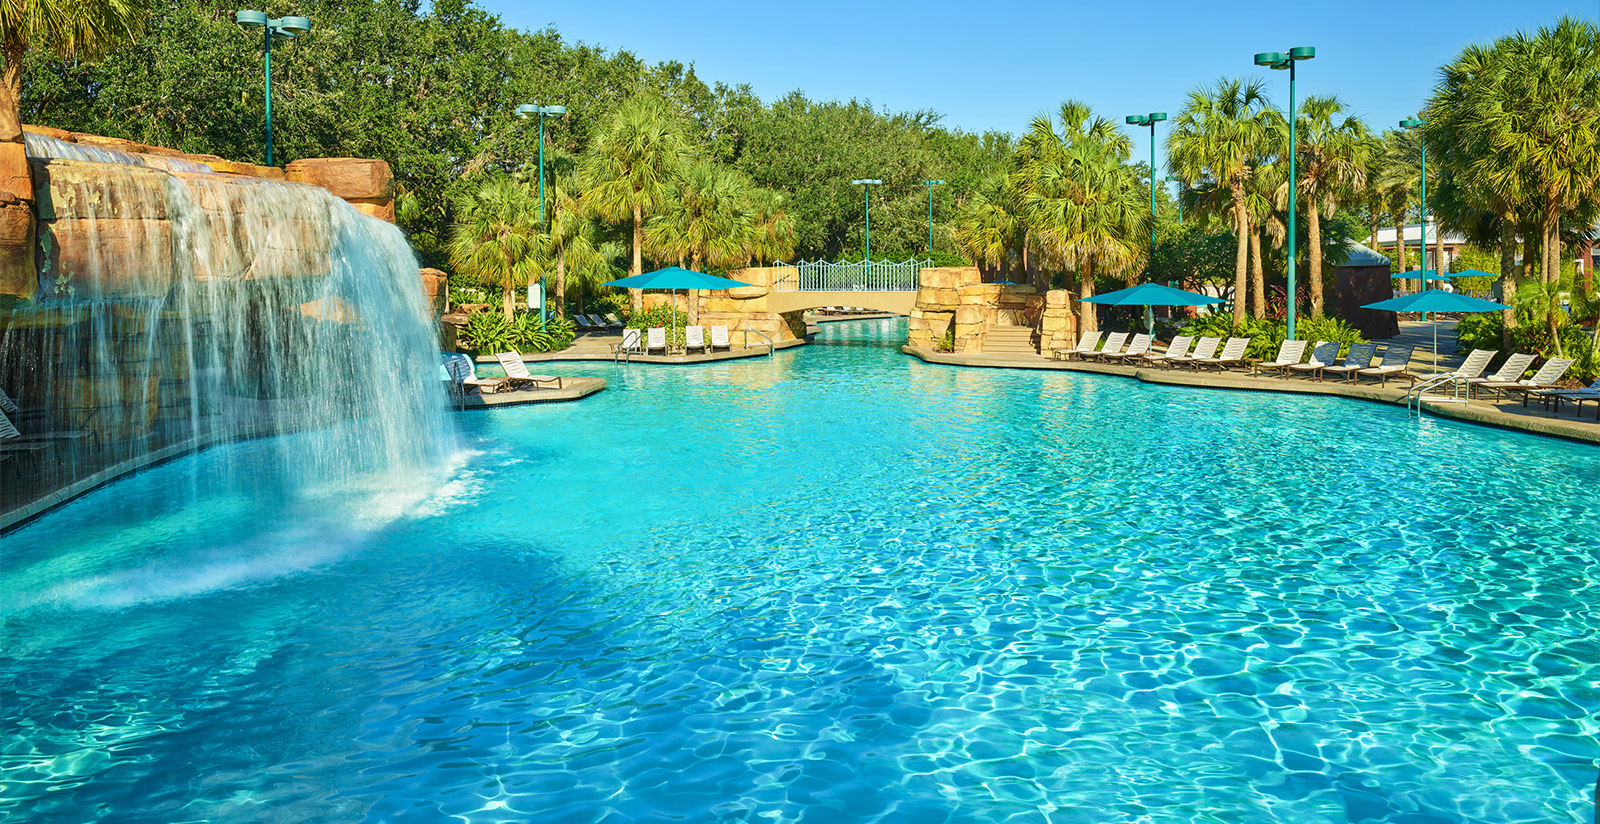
(1009, 340)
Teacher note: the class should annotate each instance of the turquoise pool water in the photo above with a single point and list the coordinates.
(837, 585)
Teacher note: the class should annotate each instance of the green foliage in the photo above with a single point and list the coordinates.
(490, 332)
(948, 342)
(662, 315)
(1267, 335)
(1191, 256)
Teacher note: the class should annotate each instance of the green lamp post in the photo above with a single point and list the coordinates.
(1278, 60)
(525, 110)
(866, 185)
(1150, 120)
(1171, 179)
(930, 184)
(282, 28)
(1423, 254)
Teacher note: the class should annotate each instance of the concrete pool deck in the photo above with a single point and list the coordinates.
(573, 387)
(1507, 413)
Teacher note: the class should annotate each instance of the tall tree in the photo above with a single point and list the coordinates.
(1081, 198)
(629, 168)
(709, 220)
(1332, 147)
(495, 236)
(1213, 143)
(1538, 107)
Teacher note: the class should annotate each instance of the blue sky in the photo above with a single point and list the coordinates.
(996, 65)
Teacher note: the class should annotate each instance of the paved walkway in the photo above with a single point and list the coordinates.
(1507, 413)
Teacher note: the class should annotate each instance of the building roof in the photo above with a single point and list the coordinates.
(1359, 255)
(1414, 234)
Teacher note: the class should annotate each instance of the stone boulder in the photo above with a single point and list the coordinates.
(346, 177)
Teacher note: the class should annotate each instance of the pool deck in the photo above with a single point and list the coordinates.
(1507, 413)
(573, 388)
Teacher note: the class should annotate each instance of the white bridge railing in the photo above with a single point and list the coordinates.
(849, 276)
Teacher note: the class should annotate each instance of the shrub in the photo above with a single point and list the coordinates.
(662, 315)
(1267, 335)
(1484, 330)
(490, 332)
(948, 342)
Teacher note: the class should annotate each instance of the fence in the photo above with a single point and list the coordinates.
(849, 276)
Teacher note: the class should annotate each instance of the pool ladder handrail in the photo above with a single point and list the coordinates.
(1460, 390)
(747, 332)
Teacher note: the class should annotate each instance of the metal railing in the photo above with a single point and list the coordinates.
(1460, 390)
(764, 335)
(849, 276)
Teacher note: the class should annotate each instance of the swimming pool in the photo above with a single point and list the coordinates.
(834, 585)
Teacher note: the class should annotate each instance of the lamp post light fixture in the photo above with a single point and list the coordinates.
(282, 28)
(1150, 120)
(1171, 179)
(1422, 255)
(930, 184)
(1279, 60)
(866, 185)
(525, 110)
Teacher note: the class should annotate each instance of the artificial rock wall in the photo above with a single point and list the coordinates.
(956, 295)
(35, 194)
(746, 307)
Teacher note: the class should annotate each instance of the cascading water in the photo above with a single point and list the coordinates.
(178, 308)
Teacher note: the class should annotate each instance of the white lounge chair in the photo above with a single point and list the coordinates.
(1396, 359)
(656, 338)
(1509, 372)
(719, 338)
(1578, 396)
(1324, 354)
(694, 337)
(1114, 342)
(1232, 354)
(1359, 357)
(1088, 342)
(1289, 354)
(629, 345)
(1203, 348)
(517, 372)
(1179, 347)
(1136, 349)
(1545, 378)
(464, 376)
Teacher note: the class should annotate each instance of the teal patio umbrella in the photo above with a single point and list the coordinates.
(674, 278)
(1436, 300)
(1152, 294)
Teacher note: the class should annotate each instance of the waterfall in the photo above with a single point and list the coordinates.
(179, 308)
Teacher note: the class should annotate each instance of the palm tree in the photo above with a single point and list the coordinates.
(709, 220)
(628, 171)
(495, 235)
(1399, 169)
(574, 242)
(1080, 197)
(989, 226)
(776, 236)
(1215, 140)
(1535, 109)
(79, 29)
(1332, 162)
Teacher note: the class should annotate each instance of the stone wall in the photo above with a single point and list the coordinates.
(43, 200)
(1058, 326)
(955, 295)
(747, 307)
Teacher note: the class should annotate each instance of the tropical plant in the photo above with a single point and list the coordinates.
(629, 170)
(1080, 198)
(72, 29)
(1331, 147)
(1267, 335)
(710, 219)
(495, 236)
(661, 315)
(989, 227)
(1214, 142)
(487, 332)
